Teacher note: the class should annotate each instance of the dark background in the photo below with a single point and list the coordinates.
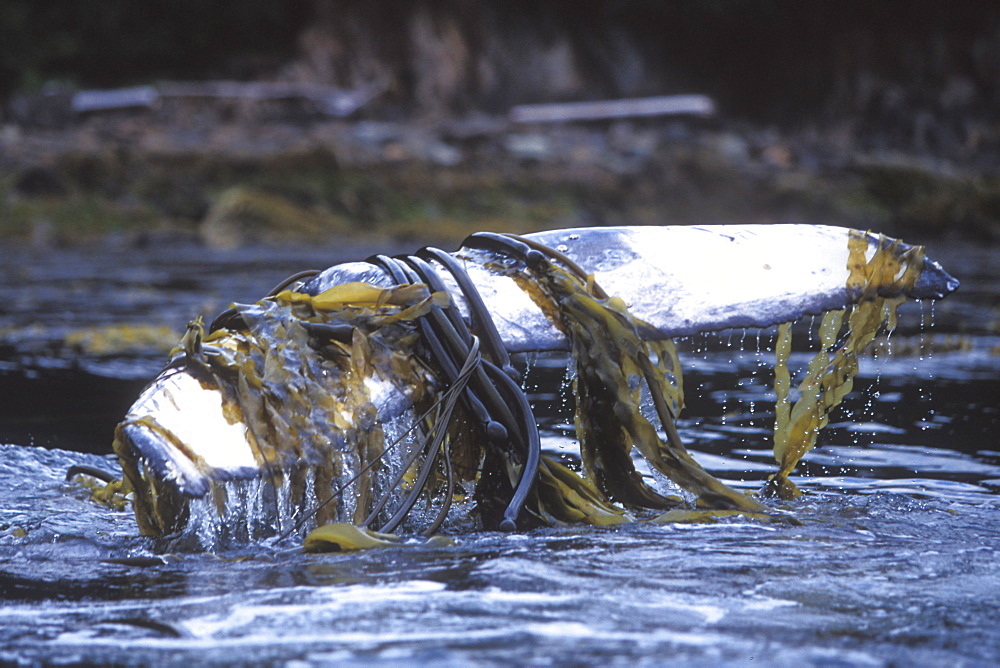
(768, 60)
(870, 114)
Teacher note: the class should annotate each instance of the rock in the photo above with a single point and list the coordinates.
(729, 148)
(443, 155)
(525, 146)
(778, 156)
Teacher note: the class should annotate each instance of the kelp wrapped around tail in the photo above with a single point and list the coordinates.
(299, 372)
(307, 375)
(619, 361)
(350, 404)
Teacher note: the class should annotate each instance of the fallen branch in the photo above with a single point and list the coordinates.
(328, 100)
(670, 105)
(86, 101)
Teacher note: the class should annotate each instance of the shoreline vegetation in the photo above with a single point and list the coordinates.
(210, 130)
(130, 176)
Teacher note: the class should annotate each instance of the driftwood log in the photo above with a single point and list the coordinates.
(327, 100)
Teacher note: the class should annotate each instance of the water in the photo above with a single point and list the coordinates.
(894, 562)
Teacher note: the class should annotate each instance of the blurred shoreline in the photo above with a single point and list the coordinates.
(241, 175)
(226, 124)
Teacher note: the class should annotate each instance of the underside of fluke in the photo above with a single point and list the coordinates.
(380, 395)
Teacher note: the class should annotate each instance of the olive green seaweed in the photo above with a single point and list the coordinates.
(879, 284)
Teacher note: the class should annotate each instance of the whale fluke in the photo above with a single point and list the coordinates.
(345, 395)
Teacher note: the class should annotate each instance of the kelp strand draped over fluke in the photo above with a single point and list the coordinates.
(878, 286)
(381, 395)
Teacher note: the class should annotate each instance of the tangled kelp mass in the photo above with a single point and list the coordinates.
(303, 395)
(613, 365)
(352, 402)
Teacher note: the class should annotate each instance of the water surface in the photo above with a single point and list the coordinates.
(894, 561)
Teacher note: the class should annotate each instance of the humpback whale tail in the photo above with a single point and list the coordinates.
(349, 394)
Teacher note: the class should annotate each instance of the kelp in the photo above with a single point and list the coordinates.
(877, 285)
(298, 370)
(313, 414)
(120, 339)
(565, 498)
(298, 377)
(614, 364)
(113, 494)
(344, 537)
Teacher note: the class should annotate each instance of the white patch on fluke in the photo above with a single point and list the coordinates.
(193, 413)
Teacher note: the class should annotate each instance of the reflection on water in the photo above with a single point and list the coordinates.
(894, 562)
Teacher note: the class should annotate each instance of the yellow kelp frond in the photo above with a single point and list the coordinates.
(121, 339)
(113, 494)
(615, 365)
(565, 497)
(190, 343)
(878, 285)
(365, 304)
(361, 295)
(343, 537)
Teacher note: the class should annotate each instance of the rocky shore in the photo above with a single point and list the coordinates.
(228, 175)
(878, 116)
